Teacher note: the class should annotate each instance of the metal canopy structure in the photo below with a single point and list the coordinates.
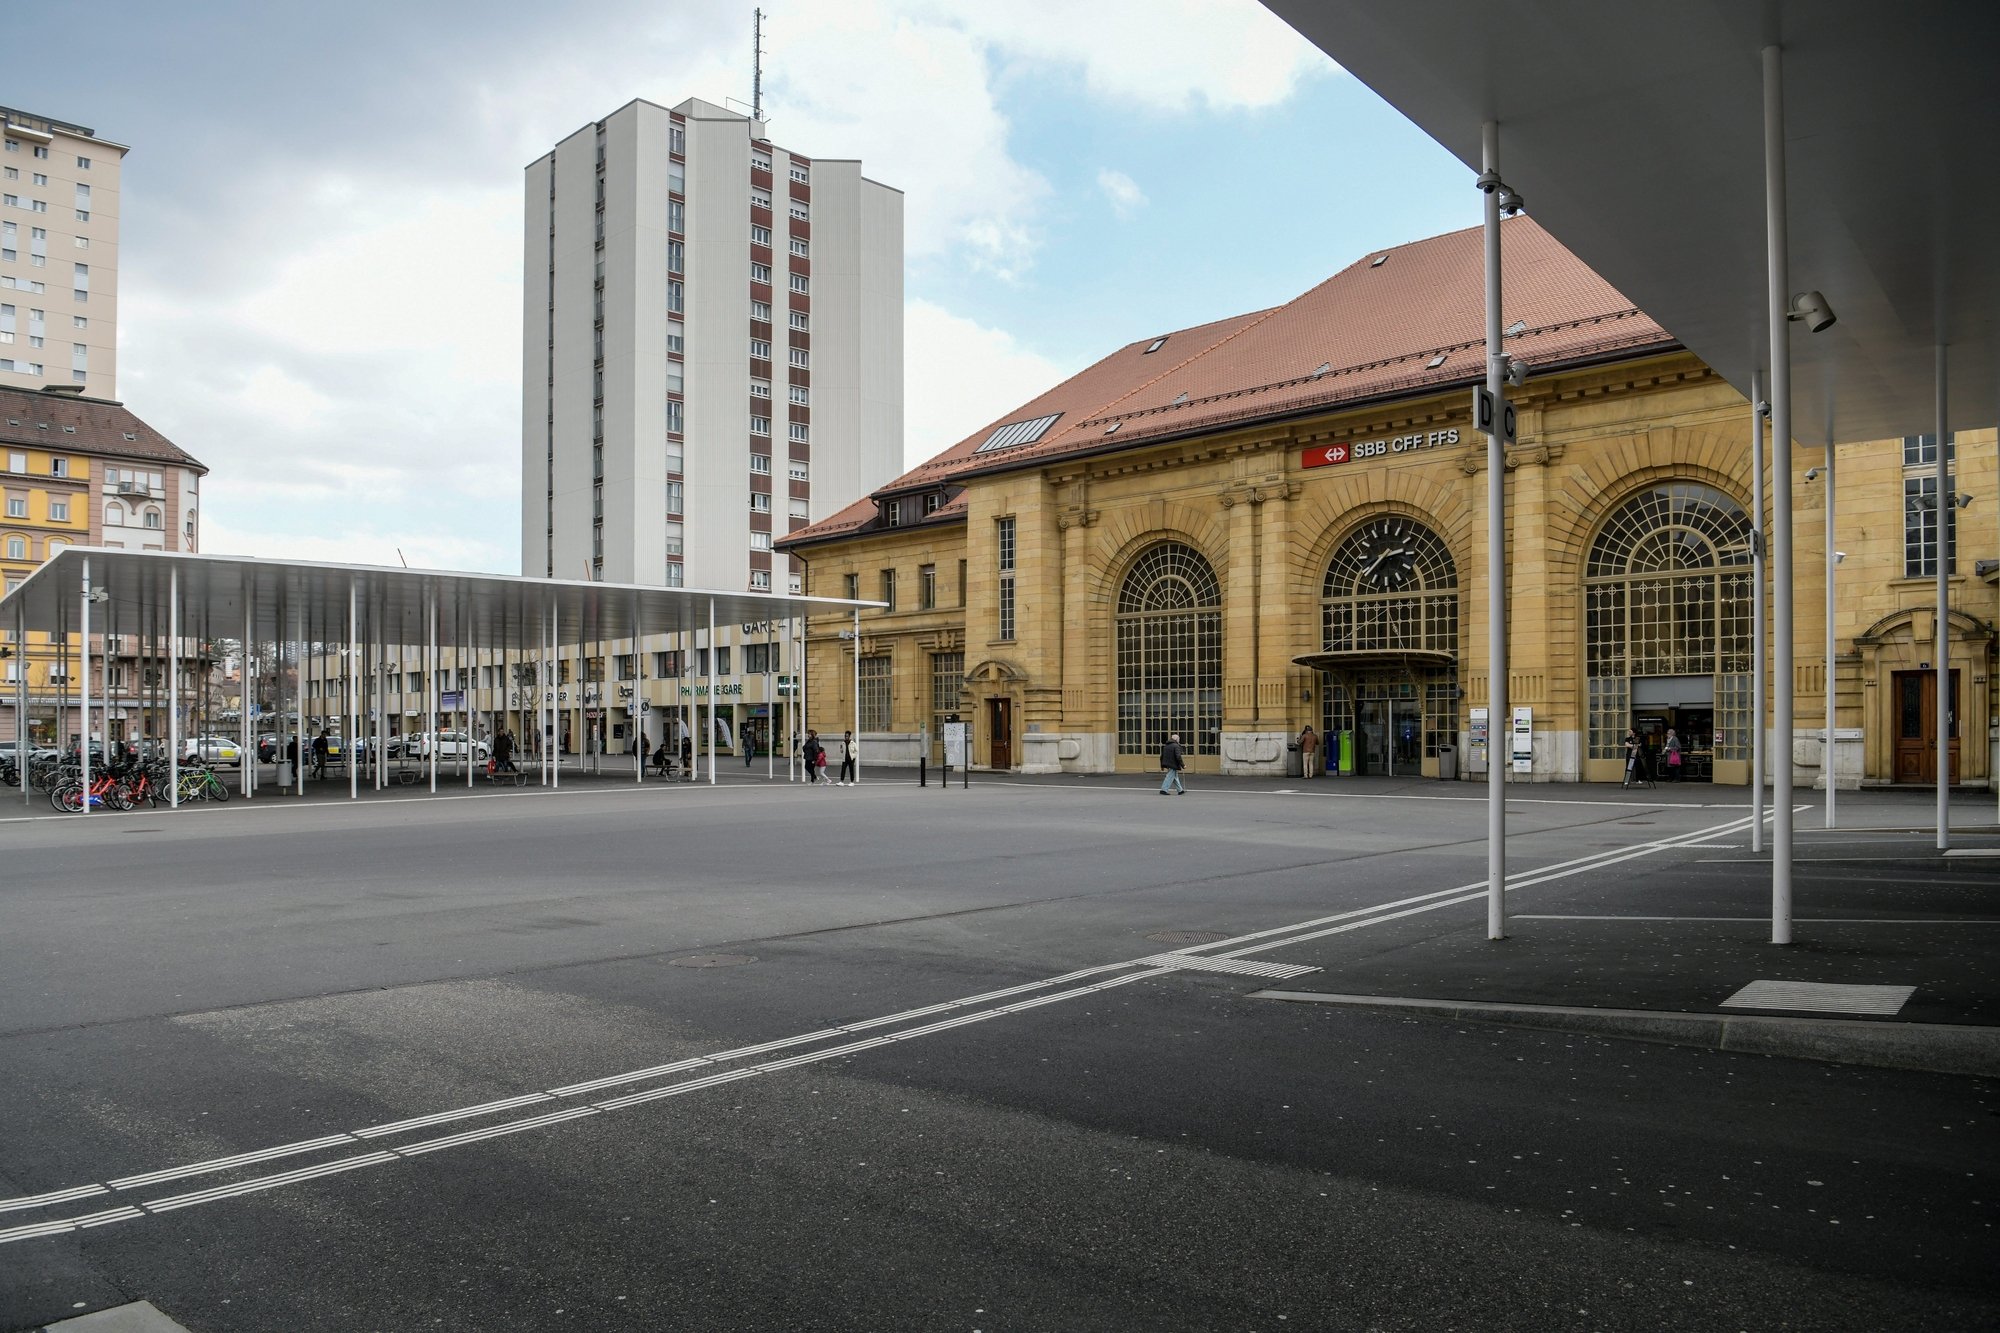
(1735, 169)
(364, 619)
(1634, 133)
(495, 612)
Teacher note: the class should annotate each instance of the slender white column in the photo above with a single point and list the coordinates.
(1783, 655)
(857, 696)
(299, 739)
(174, 687)
(1758, 611)
(635, 718)
(22, 750)
(353, 728)
(431, 695)
(1947, 512)
(713, 685)
(1832, 563)
(770, 699)
(555, 718)
(1499, 720)
(246, 767)
(83, 697)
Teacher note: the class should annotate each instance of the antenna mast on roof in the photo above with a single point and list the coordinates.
(757, 65)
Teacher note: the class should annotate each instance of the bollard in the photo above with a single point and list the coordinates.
(920, 770)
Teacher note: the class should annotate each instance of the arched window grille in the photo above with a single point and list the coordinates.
(1392, 588)
(1170, 652)
(1667, 592)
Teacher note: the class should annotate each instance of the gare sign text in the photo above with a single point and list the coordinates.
(1326, 455)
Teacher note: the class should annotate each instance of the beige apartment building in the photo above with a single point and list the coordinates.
(79, 471)
(58, 255)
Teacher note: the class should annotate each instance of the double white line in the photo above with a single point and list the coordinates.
(962, 1012)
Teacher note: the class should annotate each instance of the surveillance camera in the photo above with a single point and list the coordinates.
(1964, 500)
(1764, 408)
(1516, 373)
(1812, 473)
(1839, 556)
(1511, 201)
(1811, 309)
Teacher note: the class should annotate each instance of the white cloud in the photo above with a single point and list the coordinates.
(343, 351)
(959, 375)
(1160, 55)
(1124, 193)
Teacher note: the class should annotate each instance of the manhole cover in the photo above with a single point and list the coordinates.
(1186, 937)
(712, 960)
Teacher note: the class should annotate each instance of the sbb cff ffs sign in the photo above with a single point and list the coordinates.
(1327, 455)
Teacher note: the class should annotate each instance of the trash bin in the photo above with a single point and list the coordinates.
(1447, 763)
(284, 773)
(1345, 752)
(1295, 762)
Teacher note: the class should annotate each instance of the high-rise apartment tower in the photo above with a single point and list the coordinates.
(712, 349)
(58, 255)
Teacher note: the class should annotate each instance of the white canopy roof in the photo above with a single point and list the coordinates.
(1635, 133)
(491, 611)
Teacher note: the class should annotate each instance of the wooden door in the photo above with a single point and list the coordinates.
(1914, 701)
(1000, 729)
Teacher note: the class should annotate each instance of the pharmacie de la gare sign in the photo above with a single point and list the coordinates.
(1326, 455)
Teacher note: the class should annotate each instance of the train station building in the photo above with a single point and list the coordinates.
(1234, 531)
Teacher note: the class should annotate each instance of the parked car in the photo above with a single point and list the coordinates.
(449, 745)
(212, 750)
(269, 746)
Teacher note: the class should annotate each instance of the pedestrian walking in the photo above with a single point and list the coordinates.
(749, 749)
(813, 755)
(319, 754)
(503, 751)
(1635, 759)
(1171, 763)
(1308, 750)
(847, 771)
(292, 752)
(1673, 752)
(687, 756)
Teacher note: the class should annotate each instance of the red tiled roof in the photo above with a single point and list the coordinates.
(87, 425)
(1375, 326)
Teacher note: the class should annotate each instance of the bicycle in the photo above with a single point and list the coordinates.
(201, 784)
(105, 790)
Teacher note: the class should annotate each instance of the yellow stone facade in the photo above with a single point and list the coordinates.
(1590, 440)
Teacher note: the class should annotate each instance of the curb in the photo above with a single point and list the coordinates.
(1938, 1048)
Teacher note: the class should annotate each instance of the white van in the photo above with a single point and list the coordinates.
(449, 744)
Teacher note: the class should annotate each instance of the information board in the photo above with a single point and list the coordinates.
(955, 740)
(1524, 740)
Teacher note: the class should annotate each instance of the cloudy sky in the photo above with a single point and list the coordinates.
(322, 211)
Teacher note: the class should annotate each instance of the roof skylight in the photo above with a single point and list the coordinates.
(1324, 368)
(1437, 360)
(1156, 344)
(1517, 328)
(1016, 433)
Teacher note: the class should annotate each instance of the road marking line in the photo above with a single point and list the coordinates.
(1253, 942)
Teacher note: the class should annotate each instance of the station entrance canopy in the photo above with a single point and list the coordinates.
(1634, 132)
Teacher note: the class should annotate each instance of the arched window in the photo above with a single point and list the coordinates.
(17, 548)
(54, 545)
(1170, 652)
(1667, 589)
(114, 514)
(1390, 600)
(153, 519)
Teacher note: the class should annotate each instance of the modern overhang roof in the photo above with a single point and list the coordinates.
(491, 611)
(1635, 132)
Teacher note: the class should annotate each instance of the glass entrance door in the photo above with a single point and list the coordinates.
(1391, 737)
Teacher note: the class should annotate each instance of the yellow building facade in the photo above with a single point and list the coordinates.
(1277, 566)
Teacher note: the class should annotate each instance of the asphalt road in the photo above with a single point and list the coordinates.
(1137, 1146)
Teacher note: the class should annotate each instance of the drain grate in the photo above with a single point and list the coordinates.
(712, 960)
(1183, 938)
